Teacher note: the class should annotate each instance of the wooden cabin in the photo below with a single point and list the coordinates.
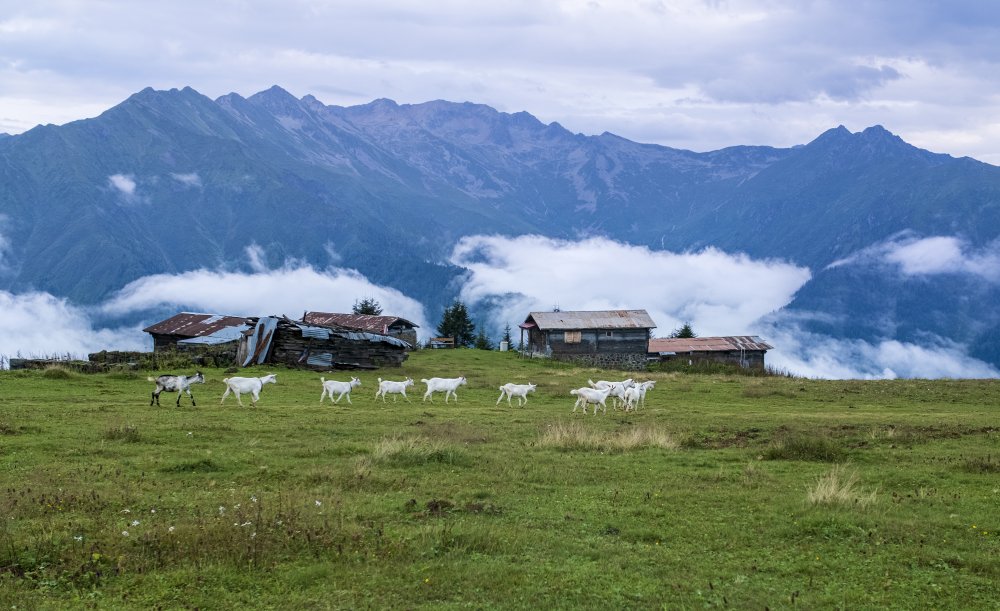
(745, 351)
(617, 339)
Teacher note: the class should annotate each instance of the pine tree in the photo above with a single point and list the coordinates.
(368, 305)
(684, 332)
(506, 337)
(483, 340)
(456, 323)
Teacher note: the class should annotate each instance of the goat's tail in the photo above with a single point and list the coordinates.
(322, 379)
(591, 382)
(380, 380)
(424, 380)
(225, 380)
(150, 378)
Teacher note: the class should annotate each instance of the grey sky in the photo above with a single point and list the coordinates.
(696, 74)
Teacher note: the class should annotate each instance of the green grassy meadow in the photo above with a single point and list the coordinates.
(723, 491)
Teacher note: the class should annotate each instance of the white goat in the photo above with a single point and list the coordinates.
(393, 388)
(617, 389)
(586, 396)
(605, 383)
(516, 390)
(341, 388)
(446, 385)
(637, 394)
(247, 385)
(177, 384)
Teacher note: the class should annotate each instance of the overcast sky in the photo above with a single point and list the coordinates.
(695, 74)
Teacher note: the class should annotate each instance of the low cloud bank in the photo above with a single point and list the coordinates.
(720, 293)
(819, 356)
(289, 291)
(38, 325)
(916, 256)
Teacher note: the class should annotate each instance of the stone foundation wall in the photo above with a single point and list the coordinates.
(628, 361)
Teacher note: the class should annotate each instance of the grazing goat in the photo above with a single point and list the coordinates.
(393, 388)
(637, 394)
(342, 388)
(447, 385)
(617, 389)
(586, 396)
(177, 384)
(247, 385)
(516, 390)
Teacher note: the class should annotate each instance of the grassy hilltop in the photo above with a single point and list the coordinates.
(722, 491)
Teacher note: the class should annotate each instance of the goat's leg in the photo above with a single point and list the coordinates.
(224, 395)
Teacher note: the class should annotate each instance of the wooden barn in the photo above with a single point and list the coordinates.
(275, 339)
(745, 351)
(608, 338)
(393, 326)
(190, 329)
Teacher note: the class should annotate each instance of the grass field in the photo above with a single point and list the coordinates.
(723, 491)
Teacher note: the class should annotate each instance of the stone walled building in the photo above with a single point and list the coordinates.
(616, 339)
(745, 351)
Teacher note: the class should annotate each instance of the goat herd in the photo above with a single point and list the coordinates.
(628, 393)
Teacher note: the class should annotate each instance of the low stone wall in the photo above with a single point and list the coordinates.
(628, 361)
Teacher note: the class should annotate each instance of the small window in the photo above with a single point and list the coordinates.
(608, 333)
(573, 337)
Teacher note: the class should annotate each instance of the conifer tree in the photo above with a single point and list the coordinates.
(456, 323)
(684, 332)
(368, 305)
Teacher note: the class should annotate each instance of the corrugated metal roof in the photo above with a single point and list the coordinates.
(708, 344)
(600, 319)
(189, 324)
(365, 322)
(222, 336)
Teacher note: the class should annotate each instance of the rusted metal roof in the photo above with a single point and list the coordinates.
(600, 319)
(708, 344)
(222, 336)
(188, 324)
(364, 322)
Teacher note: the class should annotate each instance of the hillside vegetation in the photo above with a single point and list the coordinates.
(722, 491)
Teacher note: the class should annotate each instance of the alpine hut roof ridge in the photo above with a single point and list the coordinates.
(365, 322)
(708, 344)
(191, 324)
(591, 319)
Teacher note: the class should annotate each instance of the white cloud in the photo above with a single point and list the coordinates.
(915, 256)
(291, 290)
(40, 325)
(719, 293)
(188, 180)
(124, 184)
(819, 356)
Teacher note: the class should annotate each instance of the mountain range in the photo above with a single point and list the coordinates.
(169, 181)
